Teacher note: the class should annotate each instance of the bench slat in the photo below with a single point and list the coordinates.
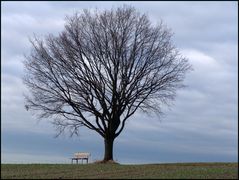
(82, 155)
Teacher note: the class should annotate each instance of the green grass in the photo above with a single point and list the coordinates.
(103, 171)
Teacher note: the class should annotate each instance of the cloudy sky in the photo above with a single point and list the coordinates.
(202, 124)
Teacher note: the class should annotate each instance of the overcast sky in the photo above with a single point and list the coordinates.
(202, 124)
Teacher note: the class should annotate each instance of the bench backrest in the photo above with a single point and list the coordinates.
(82, 155)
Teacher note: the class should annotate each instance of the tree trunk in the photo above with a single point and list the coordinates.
(108, 149)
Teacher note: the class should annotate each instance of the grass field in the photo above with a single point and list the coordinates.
(171, 171)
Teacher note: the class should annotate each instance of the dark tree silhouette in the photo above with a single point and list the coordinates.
(101, 69)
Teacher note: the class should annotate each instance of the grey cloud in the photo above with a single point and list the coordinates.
(202, 123)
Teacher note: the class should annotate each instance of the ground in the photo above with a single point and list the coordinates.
(103, 171)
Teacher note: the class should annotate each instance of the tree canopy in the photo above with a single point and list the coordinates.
(101, 69)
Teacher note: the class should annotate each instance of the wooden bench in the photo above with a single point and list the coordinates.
(81, 156)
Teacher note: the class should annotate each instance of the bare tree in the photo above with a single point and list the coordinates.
(101, 69)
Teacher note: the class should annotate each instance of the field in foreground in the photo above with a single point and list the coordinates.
(103, 171)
